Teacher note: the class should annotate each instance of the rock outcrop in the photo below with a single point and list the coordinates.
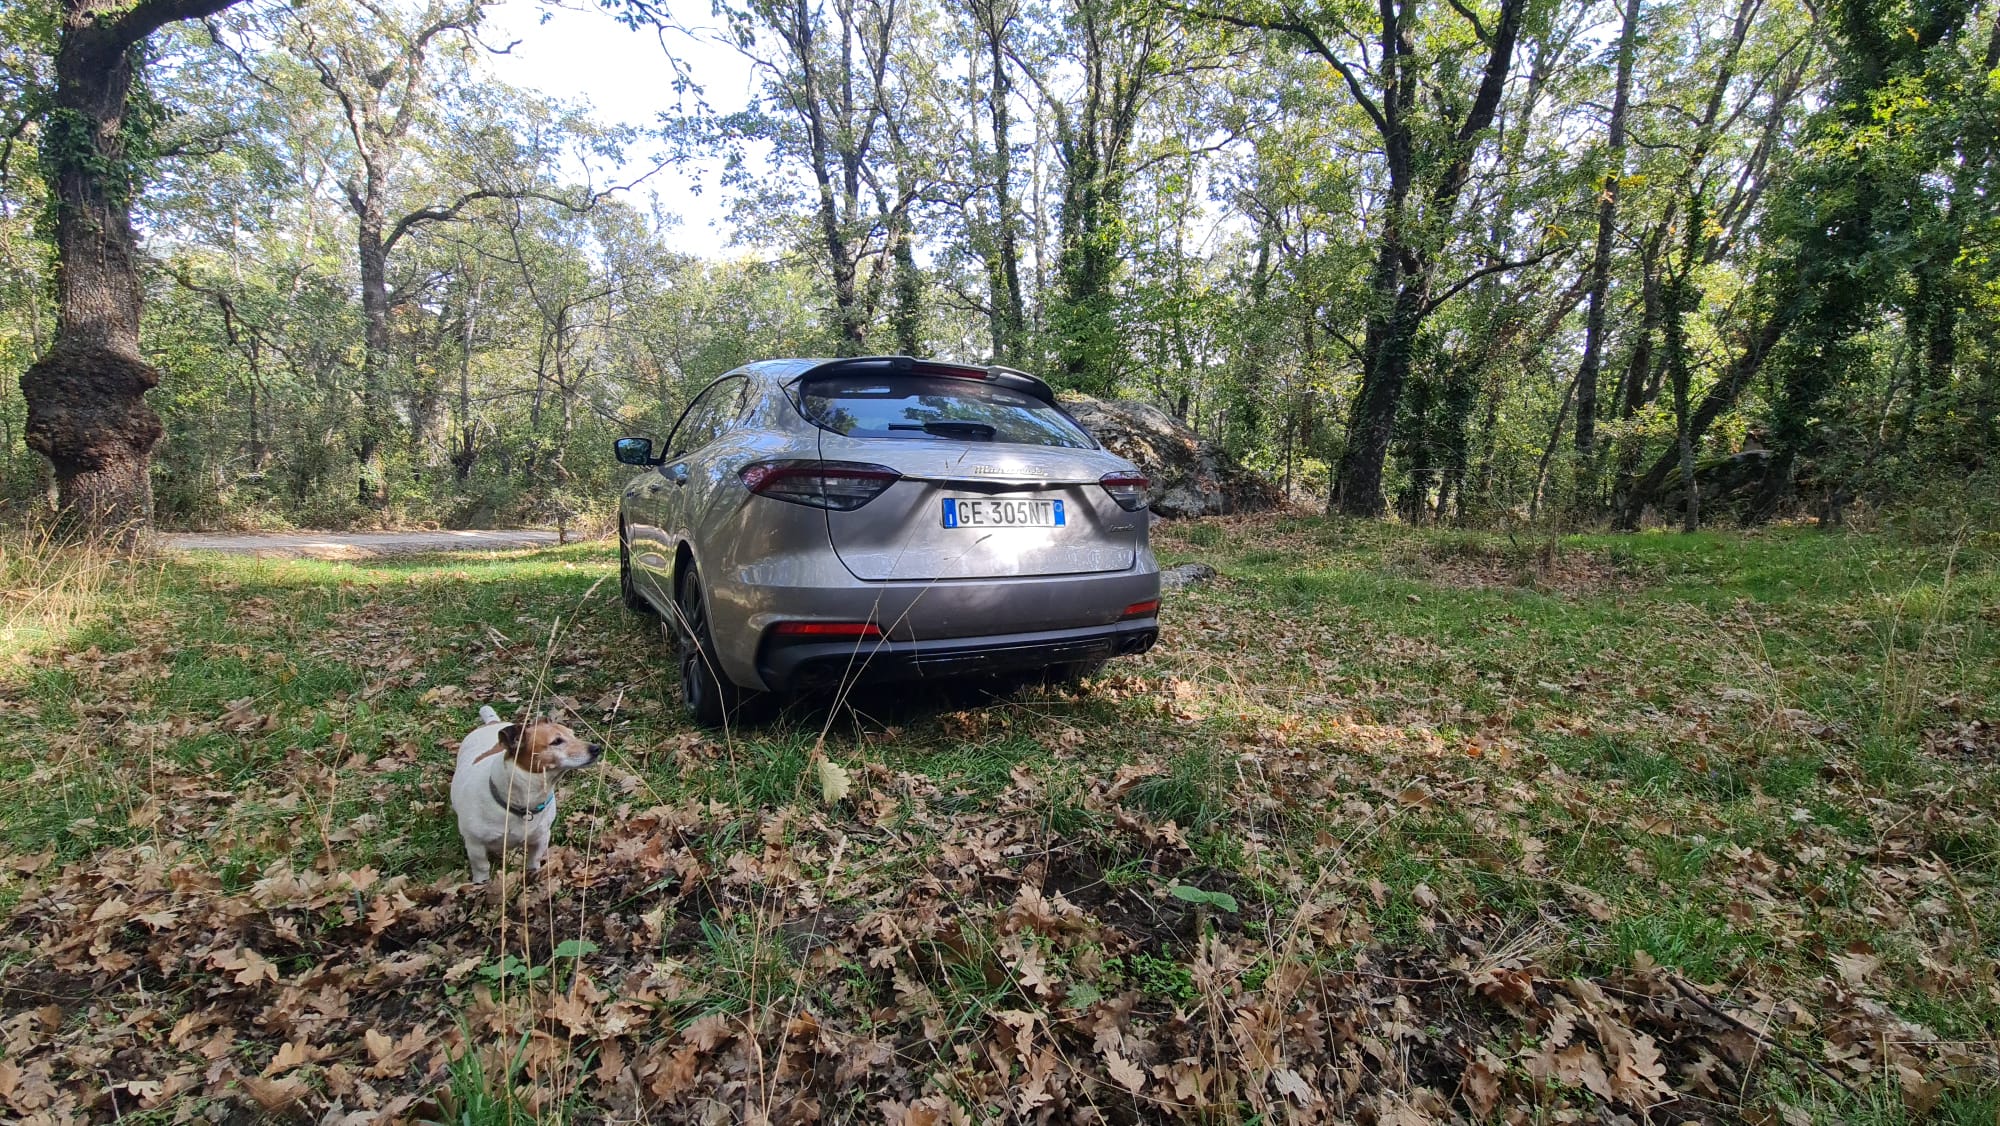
(1188, 475)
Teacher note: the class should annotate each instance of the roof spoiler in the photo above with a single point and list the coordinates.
(1010, 378)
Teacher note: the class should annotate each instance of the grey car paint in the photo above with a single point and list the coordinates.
(900, 534)
(763, 560)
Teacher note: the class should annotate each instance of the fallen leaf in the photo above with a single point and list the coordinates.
(1124, 1072)
(1292, 1085)
(274, 1094)
(834, 781)
(1855, 967)
(291, 1054)
(247, 966)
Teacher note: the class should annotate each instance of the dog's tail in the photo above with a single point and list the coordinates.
(487, 714)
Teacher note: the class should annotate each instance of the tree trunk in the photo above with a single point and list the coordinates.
(1374, 420)
(1404, 272)
(1639, 366)
(906, 310)
(1089, 342)
(86, 396)
(465, 450)
(372, 485)
(87, 410)
(1600, 260)
(1678, 307)
(1004, 271)
(1548, 453)
(257, 451)
(1684, 440)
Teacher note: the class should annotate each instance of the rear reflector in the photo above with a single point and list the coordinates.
(840, 485)
(1128, 489)
(1142, 609)
(827, 629)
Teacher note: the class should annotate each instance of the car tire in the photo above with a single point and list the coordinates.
(629, 594)
(707, 693)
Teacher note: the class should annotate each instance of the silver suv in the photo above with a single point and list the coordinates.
(816, 522)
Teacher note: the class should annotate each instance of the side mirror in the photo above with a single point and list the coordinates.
(634, 451)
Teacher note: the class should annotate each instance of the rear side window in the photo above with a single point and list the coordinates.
(920, 406)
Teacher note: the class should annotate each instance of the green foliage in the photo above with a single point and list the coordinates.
(1198, 211)
(1220, 900)
(475, 1098)
(1161, 978)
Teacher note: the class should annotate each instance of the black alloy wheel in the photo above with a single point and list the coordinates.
(705, 691)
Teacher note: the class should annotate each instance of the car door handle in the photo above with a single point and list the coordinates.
(678, 474)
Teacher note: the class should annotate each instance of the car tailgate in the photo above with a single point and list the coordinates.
(910, 531)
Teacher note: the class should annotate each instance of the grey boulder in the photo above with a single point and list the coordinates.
(1187, 474)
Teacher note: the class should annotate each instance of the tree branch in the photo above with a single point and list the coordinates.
(1459, 286)
(1472, 17)
(451, 211)
(1313, 40)
(145, 18)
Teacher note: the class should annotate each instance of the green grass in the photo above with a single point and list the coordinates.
(1728, 755)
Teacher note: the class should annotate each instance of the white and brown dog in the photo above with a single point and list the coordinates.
(505, 787)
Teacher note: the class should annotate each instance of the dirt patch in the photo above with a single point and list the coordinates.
(1120, 895)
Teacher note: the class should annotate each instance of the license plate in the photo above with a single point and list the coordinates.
(987, 512)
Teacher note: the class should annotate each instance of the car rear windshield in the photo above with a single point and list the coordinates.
(920, 406)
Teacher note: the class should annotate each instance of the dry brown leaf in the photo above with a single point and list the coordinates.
(1855, 967)
(291, 1054)
(245, 965)
(274, 1094)
(610, 1062)
(1290, 1084)
(1124, 1072)
(707, 1032)
(1481, 1084)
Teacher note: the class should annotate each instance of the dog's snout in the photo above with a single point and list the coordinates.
(595, 750)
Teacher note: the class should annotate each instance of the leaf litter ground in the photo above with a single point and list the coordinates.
(1394, 827)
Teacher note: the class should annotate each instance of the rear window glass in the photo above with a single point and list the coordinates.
(917, 406)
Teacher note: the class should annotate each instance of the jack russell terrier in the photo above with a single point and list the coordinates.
(504, 788)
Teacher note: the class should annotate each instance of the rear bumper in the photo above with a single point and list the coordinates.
(745, 602)
(805, 663)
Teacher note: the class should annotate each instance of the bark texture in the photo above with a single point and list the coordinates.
(1405, 264)
(87, 410)
(1600, 259)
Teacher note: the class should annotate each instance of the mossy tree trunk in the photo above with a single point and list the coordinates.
(87, 410)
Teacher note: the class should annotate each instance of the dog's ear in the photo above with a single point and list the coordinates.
(525, 743)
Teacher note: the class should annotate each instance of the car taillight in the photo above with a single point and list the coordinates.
(1144, 609)
(1128, 489)
(840, 485)
(827, 629)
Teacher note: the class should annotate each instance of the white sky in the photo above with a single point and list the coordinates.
(586, 55)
